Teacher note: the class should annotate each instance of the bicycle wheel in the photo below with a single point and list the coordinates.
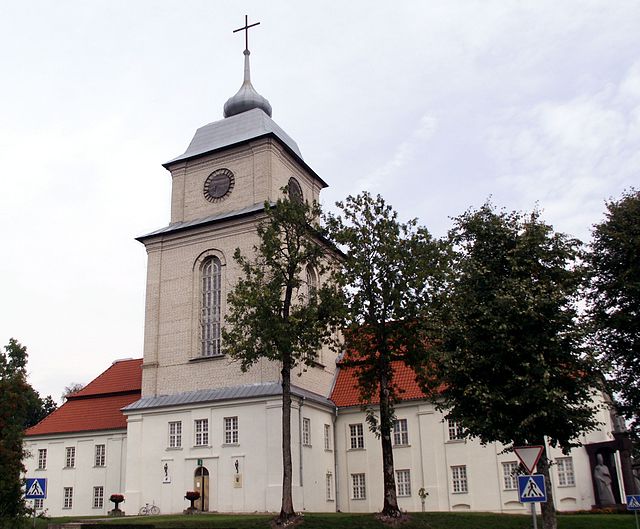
(154, 510)
(143, 511)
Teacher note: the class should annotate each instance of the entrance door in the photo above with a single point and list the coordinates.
(201, 484)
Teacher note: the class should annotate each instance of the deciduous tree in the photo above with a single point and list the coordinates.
(509, 364)
(14, 410)
(614, 271)
(388, 274)
(275, 313)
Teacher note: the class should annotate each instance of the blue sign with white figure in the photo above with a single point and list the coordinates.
(532, 489)
(633, 502)
(36, 488)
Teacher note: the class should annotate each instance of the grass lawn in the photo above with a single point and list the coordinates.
(367, 521)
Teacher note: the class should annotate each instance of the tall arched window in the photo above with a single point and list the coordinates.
(312, 282)
(210, 308)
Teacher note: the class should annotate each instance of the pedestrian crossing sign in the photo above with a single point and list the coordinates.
(532, 489)
(36, 488)
(633, 502)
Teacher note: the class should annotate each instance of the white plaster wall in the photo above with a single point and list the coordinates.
(84, 476)
(430, 456)
(258, 453)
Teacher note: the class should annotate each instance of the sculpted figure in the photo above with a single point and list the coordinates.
(603, 481)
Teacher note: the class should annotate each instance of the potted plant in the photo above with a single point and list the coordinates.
(117, 499)
(191, 495)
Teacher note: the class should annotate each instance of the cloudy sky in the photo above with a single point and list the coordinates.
(436, 105)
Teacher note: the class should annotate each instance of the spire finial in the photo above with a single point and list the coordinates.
(246, 32)
(247, 98)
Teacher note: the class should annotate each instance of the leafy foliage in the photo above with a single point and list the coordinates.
(388, 275)
(277, 312)
(509, 364)
(14, 410)
(614, 265)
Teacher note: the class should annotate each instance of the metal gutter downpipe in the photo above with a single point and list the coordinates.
(335, 460)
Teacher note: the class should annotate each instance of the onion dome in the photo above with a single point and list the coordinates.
(246, 98)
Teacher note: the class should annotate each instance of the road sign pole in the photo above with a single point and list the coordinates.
(637, 525)
(533, 515)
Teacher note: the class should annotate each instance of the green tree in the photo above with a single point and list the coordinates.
(38, 408)
(388, 274)
(509, 364)
(614, 271)
(14, 410)
(275, 313)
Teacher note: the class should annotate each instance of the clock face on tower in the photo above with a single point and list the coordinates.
(218, 185)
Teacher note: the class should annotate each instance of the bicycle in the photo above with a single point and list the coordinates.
(149, 509)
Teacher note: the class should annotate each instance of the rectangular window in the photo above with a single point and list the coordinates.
(455, 430)
(510, 475)
(403, 482)
(459, 479)
(175, 434)
(306, 431)
(68, 498)
(201, 428)
(566, 475)
(329, 486)
(101, 455)
(327, 437)
(231, 430)
(357, 436)
(42, 458)
(359, 491)
(400, 432)
(98, 497)
(38, 504)
(70, 456)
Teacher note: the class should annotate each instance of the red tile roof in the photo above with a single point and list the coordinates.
(346, 392)
(97, 406)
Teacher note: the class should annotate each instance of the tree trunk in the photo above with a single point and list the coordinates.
(286, 511)
(390, 507)
(549, 520)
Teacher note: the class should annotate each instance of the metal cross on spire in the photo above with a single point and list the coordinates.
(246, 31)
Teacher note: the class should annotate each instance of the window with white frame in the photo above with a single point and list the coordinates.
(70, 457)
(175, 434)
(210, 307)
(455, 431)
(306, 431)
(201, 429)
(400, 432)
(358, 487)
(100, 455)
(327, 437)
(67, 497)
(510, 475)
(356, 433)
(403, 482)
(459, 479)
(329, 486)
(566, 475)
(42, 459)
(38, 504)
(98, 497)
(230, 430)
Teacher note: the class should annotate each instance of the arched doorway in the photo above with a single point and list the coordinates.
(201, 484)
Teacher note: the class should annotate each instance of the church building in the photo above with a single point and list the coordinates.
(185, 417)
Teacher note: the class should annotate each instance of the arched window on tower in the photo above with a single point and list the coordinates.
(312, 282)
(210, 307)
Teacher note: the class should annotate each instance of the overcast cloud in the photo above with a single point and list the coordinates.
(436, 105)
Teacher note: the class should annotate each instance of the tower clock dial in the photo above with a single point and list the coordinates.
(218, 185)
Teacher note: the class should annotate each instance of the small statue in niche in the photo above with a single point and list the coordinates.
(603, 480)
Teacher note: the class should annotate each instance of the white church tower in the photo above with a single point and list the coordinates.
(201, 423)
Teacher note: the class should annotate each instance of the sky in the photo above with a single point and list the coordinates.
(436, 105)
